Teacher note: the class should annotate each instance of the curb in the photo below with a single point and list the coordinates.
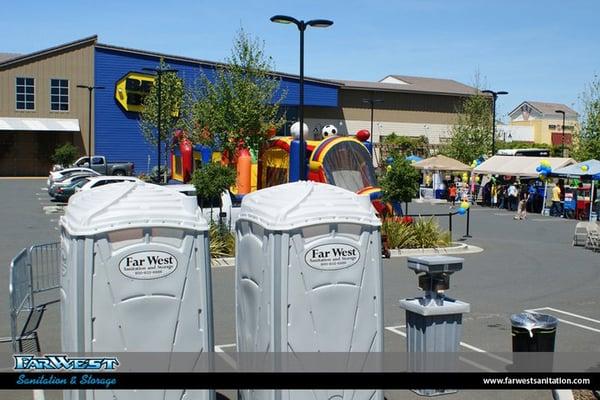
(456, 248)
(562, 394)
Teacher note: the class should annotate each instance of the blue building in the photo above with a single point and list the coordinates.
(42, 107)
(115, 131)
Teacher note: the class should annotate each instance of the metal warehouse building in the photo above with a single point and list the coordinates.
(41, 106)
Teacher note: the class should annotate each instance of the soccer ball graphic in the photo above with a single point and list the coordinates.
(295, 130)
(329, 130)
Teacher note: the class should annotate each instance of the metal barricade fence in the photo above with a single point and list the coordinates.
(34, 270)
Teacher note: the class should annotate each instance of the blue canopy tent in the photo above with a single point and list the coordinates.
(586, 170)
(414, 158)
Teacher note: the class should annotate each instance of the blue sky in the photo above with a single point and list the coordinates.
(536, 50)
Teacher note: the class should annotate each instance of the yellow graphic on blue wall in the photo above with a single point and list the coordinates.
(131, 89)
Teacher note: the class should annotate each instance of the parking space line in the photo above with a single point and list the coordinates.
(221, 346)
(589, 328)
(568, 313)
(396, 330)
(476, 365)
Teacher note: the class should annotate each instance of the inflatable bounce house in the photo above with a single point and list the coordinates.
(344, 161)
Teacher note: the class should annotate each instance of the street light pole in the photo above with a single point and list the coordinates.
(301, 25)
(494, 98)
(302, 155)
(90, 90)
(159, 72)
(372, 103)
(562, 151)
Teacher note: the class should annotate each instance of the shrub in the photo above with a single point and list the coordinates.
(211, 180)
(414, 234)
(222, 241)
(429, 234)
(399, 235)
(65, 155)
(400, 181)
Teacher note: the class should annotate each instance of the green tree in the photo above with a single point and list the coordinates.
(174, 110)
(65, 155)
(400, 182)
(471, 136)
(587, 139)
(240, 106)
(397, 145)
(212, 179)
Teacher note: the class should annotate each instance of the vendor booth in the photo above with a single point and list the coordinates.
(519, 167)
(586, 171)
(437, 166)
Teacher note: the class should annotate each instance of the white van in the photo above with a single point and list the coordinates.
(229, 212)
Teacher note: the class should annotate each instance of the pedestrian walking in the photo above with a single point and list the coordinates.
(555, 209)
(522, 207)
(452, 193)
(494, 195)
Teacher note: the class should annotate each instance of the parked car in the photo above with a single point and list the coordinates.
(64, 193)
(59, 175)
(98, 181)
(57, 186)
(229, 212)
(99, 164)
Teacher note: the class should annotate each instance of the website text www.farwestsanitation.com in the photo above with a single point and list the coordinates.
(508, 380)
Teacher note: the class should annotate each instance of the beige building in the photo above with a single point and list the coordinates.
(545, 122)
(41, 106)
(405, 105)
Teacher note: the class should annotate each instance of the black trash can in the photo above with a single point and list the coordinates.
(533, 333)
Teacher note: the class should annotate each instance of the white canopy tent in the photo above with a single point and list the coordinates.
(518, 166)
(521, 167)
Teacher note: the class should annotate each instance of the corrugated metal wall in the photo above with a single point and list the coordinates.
(118, 135)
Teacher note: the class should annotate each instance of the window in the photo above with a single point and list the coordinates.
(97, 161)
(59, 95)
(25, 94)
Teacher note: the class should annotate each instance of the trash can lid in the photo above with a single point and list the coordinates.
(532, 320)
(298, 204)
(435, 264)
(130, 205)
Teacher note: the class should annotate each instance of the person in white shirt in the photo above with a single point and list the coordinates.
(512, 197)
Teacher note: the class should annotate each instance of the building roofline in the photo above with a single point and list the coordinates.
(49, 51)
(213, 64)
(530, 103)
(520, 104)
(355, 85)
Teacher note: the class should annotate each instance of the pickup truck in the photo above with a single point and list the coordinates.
(99, 164)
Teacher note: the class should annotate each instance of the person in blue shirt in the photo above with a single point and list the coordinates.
(532, 193)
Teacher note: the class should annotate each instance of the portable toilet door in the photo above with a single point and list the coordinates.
(308, 278)
(136, 278)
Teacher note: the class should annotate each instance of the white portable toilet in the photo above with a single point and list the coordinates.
(136, 278)
(308, 277)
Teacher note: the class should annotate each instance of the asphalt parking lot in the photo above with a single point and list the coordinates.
(525, 265)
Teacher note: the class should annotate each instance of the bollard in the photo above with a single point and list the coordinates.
(467, 235)
(433, 322)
